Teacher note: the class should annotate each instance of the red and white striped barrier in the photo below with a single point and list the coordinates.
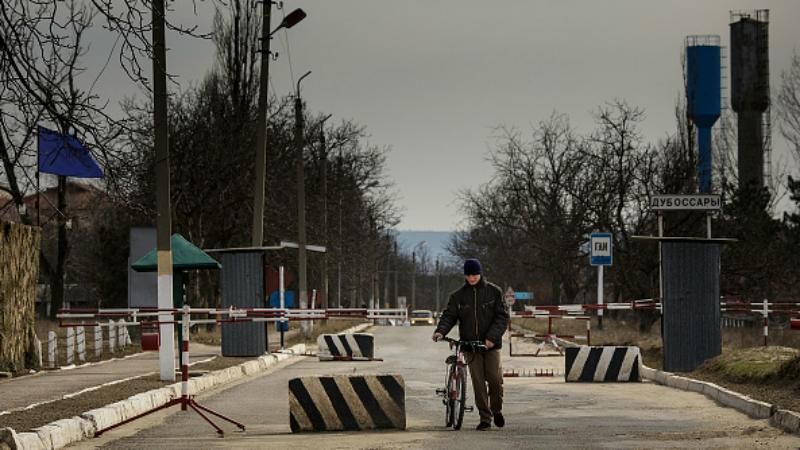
(514, 373)
(763, 309)
(186, 401)
(149, 316)
(643, 304)
(549, 338)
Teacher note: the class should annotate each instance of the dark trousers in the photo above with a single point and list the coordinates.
(484, 368)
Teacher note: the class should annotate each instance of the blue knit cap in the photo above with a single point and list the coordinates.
(472, 267)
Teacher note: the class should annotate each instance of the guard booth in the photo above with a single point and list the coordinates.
(691, 317)
(185, 256)
(242, 285)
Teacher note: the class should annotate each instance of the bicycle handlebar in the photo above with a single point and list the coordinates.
(472, 344)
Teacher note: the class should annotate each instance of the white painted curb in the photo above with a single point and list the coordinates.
(756, 409)
(64, 432)
(788, 420)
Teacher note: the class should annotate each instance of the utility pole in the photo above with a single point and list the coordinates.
(261, 131)
(388, 268)
(413, 279)
(340, 179)
(301, 202)
(437, 285)
(166, 352)
(324, 214)
(396, 269)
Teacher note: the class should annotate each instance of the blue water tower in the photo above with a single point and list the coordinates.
(703, 98)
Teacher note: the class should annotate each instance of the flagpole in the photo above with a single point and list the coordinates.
(38, 185)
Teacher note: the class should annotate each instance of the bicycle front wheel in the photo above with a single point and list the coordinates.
(459, 403)
(448, 398)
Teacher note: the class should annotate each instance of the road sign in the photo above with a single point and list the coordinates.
(509, 296)
(685, 202)
(275, 299)
(523, 296)
(601, 251)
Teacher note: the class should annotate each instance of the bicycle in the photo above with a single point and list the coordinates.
(454, 395)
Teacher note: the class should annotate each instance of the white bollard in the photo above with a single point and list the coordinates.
(39, 353)
(52, 343)
(81, 344)
(112, 336)
(70, 345)
(765, 313)
(120, 335)
(98, 340)
(128, 340)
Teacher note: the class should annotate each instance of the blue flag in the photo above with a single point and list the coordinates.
(62, 154)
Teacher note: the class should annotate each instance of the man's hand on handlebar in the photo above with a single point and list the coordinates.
(489, 344)
(437, 337)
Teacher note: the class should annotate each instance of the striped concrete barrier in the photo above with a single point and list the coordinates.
(606, 363)
(346, 346)
(347, 402)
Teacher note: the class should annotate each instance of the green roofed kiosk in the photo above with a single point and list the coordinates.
(185, 256)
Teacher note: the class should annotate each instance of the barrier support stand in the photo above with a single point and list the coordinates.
(185, 400)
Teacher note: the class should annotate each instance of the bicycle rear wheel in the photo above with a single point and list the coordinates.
(461, 398)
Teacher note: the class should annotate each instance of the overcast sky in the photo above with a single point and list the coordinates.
(433, 79)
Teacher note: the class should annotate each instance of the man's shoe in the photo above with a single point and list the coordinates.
(499, 420)
(483, 426)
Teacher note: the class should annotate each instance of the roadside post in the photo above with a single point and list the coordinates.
(283, 325)
(601, 255)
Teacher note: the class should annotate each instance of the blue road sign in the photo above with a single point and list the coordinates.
(275, 299)
(601, 249)
(523, 295)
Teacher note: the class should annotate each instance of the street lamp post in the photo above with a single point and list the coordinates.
(301, 202)
(257, 238)
(414, 274)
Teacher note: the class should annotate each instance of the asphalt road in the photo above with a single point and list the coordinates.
(541, 412)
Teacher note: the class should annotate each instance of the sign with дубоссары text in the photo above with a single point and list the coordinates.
(685, 202)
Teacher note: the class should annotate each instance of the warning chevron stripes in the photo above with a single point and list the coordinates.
(347, 403)
(354, 345)
(605, 363)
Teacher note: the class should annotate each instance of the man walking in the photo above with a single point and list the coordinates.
(481, 315)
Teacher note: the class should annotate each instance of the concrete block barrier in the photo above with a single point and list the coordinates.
(345, 345)
(347, 402)
(602, 364)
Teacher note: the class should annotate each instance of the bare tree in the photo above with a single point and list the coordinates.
(788, 102)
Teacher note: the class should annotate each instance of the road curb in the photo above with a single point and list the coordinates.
(781, 418)
(64, 432)
(788, 420)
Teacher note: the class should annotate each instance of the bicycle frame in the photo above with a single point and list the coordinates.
(454, 394)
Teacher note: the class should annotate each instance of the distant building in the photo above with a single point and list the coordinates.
(8, 210)
(83, 203)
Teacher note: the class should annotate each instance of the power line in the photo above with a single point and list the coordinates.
(288, 49)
